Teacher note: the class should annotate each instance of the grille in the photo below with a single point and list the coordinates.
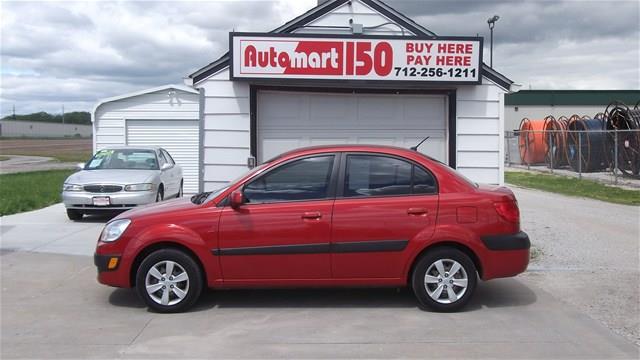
(103, 188)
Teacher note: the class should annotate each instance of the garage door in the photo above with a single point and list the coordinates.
(178, 137)
(288, 120)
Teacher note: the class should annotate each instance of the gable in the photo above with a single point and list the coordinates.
(337, 21)
(332, 17)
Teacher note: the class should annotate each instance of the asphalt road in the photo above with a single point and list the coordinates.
(52, 306)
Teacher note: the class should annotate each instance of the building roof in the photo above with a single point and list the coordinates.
(327, 7)
(571, 97)
(142, 92)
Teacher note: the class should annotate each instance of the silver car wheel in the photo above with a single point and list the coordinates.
(446, 281)
(167, 283)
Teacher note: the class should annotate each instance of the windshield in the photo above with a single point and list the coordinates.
(123, 159)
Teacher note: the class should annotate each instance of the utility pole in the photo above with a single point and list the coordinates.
(492, 23)
(63, 113)
(14, 111)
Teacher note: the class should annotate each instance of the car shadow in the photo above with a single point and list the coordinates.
(493, 294)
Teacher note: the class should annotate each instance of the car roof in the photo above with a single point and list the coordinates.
(384, 149)
(127, 147)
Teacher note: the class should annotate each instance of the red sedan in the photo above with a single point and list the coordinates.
(323, 216)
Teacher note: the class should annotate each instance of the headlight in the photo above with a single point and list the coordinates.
(72, 187)
(113, 230)
(139, 187)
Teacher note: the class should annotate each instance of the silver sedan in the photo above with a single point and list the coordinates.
(121, 178)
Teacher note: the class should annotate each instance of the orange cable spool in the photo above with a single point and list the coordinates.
(531, 141)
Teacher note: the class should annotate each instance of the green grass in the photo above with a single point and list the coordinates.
(30, 191)
(573, 187)
(3, 158)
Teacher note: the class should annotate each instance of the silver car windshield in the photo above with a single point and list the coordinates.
(123, 159)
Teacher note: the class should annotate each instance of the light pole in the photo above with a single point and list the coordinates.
(492, 23)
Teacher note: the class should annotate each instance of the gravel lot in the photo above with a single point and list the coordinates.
(589, 255)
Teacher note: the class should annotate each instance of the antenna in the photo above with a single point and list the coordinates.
(415, 148)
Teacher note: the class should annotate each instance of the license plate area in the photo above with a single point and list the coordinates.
(101, 201)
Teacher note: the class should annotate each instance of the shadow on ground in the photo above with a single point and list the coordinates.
(492, 294)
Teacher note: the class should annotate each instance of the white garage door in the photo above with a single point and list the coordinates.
(289, 120)
(178, 137)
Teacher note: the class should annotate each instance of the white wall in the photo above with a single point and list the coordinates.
(479, 131)
(110, 117)
(226, 137)
(9, 128)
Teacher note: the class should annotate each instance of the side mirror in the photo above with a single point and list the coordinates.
(79, 166)
(165, 166)
(236, 199)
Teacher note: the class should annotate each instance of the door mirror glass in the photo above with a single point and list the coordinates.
(236, 199)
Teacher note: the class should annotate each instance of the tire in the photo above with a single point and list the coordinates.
(160, 194)
(166, 300)
(74, 215)
(444, 292)
(180, 192)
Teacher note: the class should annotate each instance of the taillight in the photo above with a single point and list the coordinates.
(508, 210)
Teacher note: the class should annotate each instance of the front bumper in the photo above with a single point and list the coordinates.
(122, 200)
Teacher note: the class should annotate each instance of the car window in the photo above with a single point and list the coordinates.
(423, 181)
(304, 179)
(168, 157)
(161, 158)
(125, 159)
(370, 175)
(373, 175)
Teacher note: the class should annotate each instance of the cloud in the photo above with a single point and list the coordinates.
(75, 53)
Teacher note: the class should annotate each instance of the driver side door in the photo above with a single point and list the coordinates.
(282, 232)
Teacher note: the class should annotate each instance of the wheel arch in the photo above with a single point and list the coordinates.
(164, 245)
(446, 244)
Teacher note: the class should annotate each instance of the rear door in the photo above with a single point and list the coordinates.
(382, 203)
(282, 232)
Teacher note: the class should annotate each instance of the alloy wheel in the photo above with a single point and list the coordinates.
(446, 281)
(167, 283)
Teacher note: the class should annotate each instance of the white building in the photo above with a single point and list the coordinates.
(311, 82)
(166, 116)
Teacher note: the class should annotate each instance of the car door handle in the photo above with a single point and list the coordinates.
(312, 215)
(417, 211)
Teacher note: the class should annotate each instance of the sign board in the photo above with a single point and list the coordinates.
(336, 57)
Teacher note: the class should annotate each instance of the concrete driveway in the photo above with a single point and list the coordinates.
(52, 307)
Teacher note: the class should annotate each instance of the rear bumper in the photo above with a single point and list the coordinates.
(518, 241)
(506, 255)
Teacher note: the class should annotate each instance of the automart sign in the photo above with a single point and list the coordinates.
(268, 56)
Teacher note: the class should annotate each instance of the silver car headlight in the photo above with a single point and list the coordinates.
(72, 187)
(113, 230)
(139, 187)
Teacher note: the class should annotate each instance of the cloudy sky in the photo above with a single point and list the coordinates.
(73, 53)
